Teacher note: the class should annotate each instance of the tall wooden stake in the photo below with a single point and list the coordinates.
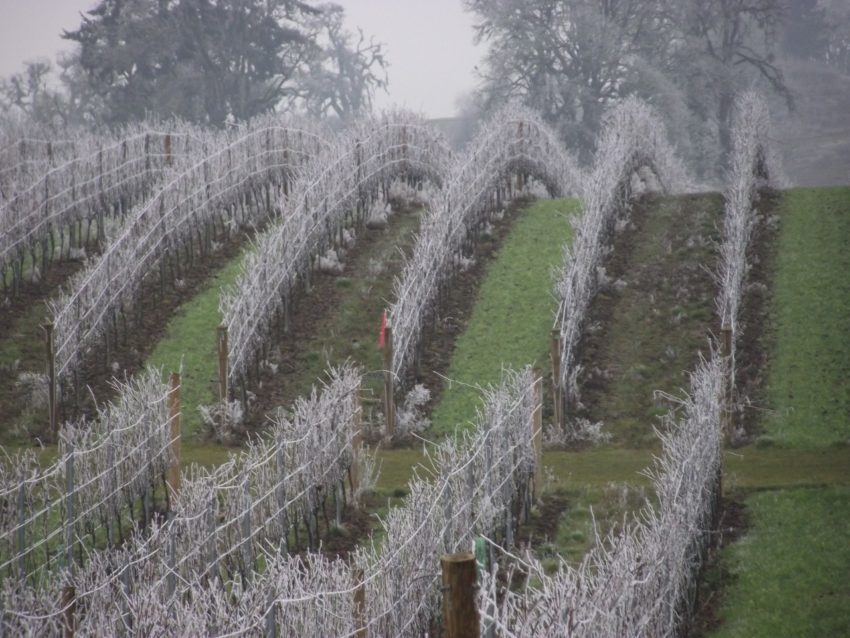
(173, 476)
(537, 438)
(168, 149)
(728, 381)
(356, 447)
(222, 363)
(51, 381)
(69, 605)
(360, 630)
(557, 400)
(460, 617)
(389, 382)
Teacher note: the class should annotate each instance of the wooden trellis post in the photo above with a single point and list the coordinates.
(728, 381)
(173, 476)
(69, 604)
(168, 149)
(557, 390)
(52, 406)
(360, 630)
(222, 363)
(389, 382)
(537, 438)
(460, 617)
(356, 446)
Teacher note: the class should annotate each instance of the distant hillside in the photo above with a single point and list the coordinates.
(815, 141)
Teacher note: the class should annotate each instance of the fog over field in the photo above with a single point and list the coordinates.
(458, 58)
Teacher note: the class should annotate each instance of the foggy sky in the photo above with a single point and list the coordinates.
(428, 44)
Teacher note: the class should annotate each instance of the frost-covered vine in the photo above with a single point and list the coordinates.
(219, 565)
(48, 189)
(513, 142)
(235, 182)
(633, 141)
(335, 190)
(641, 581)
(106, 471)
(753, 166)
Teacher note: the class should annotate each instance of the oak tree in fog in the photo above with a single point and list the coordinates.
(342, 78)
(29, 92)
(568, 59)
(727, 45)
(571, 58)
(204, 60)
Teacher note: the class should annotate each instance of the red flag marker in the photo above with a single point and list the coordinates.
(382, 334)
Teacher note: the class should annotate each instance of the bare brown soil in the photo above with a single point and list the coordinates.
(12, 308)
(650, 321)
(757, 333)
(733, 524)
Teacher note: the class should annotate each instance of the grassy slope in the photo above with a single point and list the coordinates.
(190, 340)
(513, 315)
(809, 375)
(791, 572)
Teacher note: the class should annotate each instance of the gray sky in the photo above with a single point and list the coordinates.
(429, 44)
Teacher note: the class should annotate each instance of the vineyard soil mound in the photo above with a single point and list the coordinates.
(758, 335)
(649, 321)
(733, 524)
(14, 307)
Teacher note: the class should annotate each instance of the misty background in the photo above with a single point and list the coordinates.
(102, 63)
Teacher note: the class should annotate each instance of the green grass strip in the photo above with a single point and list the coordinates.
(512, 319)
(191, 337)
(791, 572)
(809, 373)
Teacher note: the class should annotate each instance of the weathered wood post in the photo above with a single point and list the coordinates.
(360, 631)
(557, 395)
(389, 382)
(173, 476)
(728, 381)
(222, 363)
(537, 438)
(69, 604)
(168, 149)
(52, 405)
(356, 446)
(460, 617)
